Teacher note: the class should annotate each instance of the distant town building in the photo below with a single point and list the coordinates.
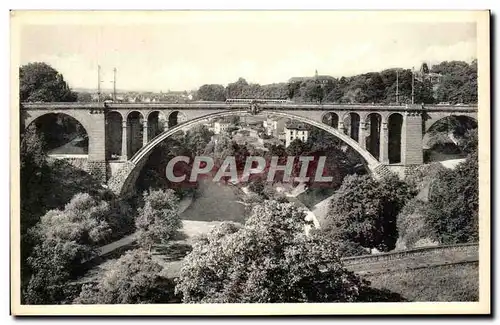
(423, 74)
(254, 124)
(221, 127)
(210, 126)
(296, 131)
(274, 126)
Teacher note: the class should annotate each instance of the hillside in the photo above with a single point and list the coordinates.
(454, 282)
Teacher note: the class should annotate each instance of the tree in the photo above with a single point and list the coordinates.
(297, 147)
(312, 91)
(134, 278)
(470, 141)
(39, 82)
(236, 89)
(423, 91)
(458, 83)
(269, 260)
(411, 222)
(453, 212)
(424, 68)
(211, 92)
(64, 239)
(234, 120)
(364, 210)
(53, 262)
(84, 97)
(158, 220)
(375, 88)
(34, 177)
(293, 90)
(196, 139)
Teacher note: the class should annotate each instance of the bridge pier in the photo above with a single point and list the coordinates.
(411, 139)
(384, 144)
(124, 140)
(362, 134)
(144, 132)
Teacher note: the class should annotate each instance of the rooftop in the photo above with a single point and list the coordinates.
(297, 126)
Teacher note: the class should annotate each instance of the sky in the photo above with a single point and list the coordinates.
(185, 52)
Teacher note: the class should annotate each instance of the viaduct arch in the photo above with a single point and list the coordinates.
(124, 180)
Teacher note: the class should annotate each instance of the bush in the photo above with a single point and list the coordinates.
(411, 222)
(63, 240)
(423, 175)
(159, 219)
(132, 279)
(453, 213)
(364, 210)
(269, 260)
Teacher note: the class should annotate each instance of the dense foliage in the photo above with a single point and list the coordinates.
(64, 239)
(411, 223)
(158, 220)
(452, 82)
(50, 184)
(39, 82)
(134, 278)
(453, 212)
(191, 143)
(268, 260)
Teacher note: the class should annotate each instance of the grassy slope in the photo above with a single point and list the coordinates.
(458, 282)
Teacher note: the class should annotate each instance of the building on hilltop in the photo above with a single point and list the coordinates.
(423, 74)
(322, 79)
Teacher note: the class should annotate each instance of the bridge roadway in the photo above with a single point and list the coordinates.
(263, 106)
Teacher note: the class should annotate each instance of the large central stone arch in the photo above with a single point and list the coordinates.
(123, 181)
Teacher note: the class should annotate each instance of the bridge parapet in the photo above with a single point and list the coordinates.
(262, 106)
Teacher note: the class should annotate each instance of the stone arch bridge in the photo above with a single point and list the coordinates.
(384, 136)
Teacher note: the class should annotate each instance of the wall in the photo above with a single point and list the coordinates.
(422, 251)
(78, 161)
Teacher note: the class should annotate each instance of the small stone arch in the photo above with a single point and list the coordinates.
(331, 119)
(155, 124)
(124, 116)
(442, 138)
(128, 113)
(135, 129)
(395, 128)
(175, 118)
(351, 122)
(373, 126)
(114, 134)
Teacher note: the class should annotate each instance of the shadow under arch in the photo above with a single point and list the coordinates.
(455, 120)
(55, 127)
(122, 182)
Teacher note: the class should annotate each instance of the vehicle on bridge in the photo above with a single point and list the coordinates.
(257, 100)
